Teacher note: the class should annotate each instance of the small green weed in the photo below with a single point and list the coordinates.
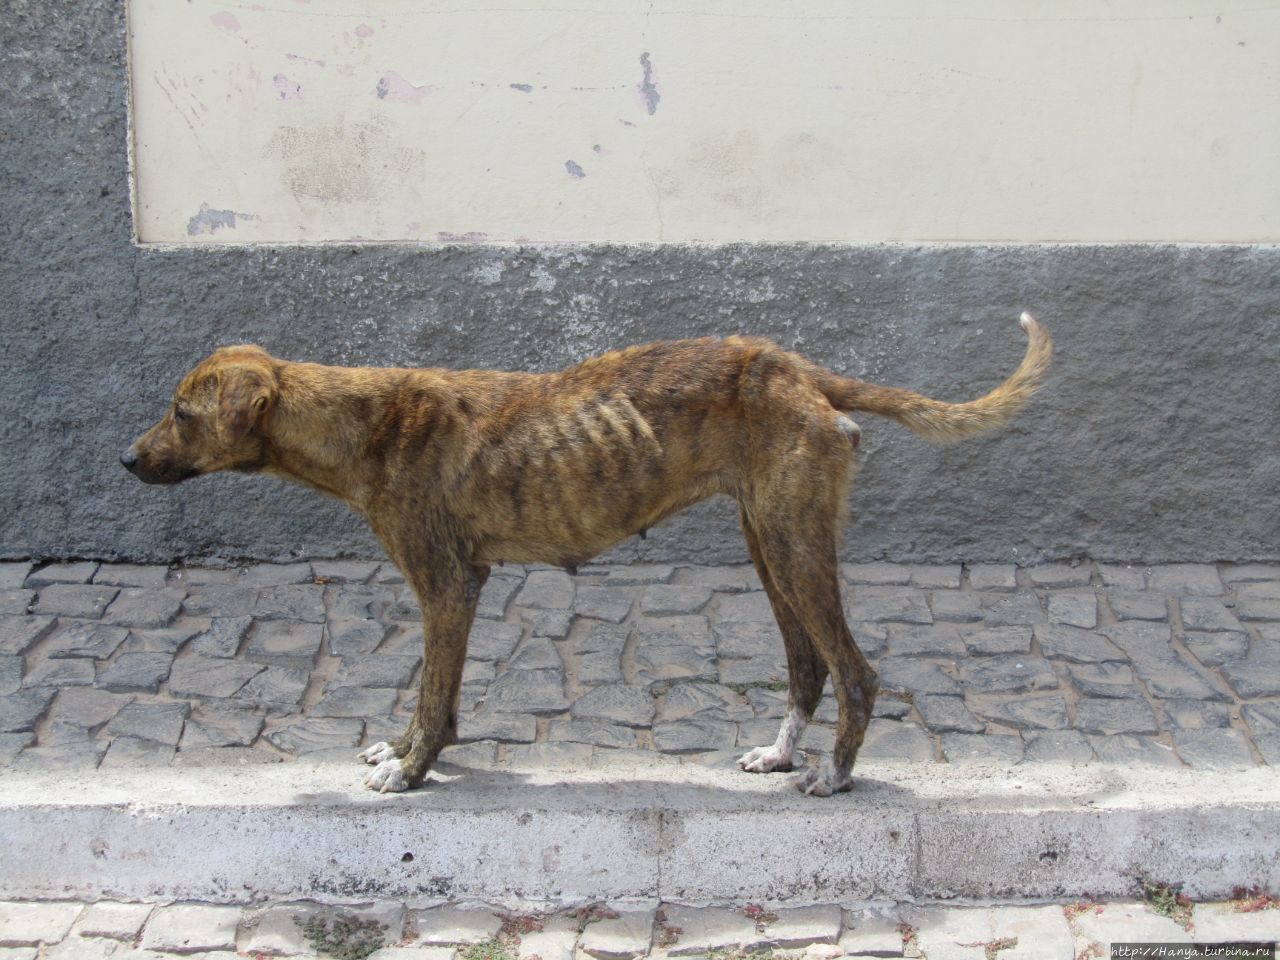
(496, 948)
(1167, 900)
(343, 936)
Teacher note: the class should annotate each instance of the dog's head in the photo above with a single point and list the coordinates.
(215, 421)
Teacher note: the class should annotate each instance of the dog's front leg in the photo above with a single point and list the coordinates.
(447, 595)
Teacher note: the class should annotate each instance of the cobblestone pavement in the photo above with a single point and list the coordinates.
(620, 931)
(117, 664)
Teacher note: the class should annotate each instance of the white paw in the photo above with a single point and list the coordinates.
(387, 777)
(766, 760)
(823, 783)
(377, 753)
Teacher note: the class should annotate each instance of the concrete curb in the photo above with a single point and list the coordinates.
(919, 832)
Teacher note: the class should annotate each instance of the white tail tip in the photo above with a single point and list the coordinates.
(1026, 320)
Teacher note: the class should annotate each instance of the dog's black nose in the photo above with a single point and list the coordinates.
(129, 459)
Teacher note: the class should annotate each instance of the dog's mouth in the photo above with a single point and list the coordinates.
(162, 476)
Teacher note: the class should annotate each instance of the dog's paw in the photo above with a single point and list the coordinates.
(822, 783)
(387, 777)
(377, 753)
(766, 760)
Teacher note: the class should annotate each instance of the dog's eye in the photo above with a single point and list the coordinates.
(181, 414)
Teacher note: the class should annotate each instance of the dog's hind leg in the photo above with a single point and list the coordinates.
(799, 552)
(447, 593)
(805, 669)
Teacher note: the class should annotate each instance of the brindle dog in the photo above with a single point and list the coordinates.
(456, 470)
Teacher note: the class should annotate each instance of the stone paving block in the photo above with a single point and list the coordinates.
(1249, 572)
(955, 606)
(621, 937)
(872, 638)
(145, 608)
(1215, 649)
(1266, 590)
(1062, 642)
(546, 623)
(379, 670)
(1126, 923)
(1247, 608)
(217, 725)
(1207, 613)
(18, 634)
(279, 932)
(1213, 749)
(81, 755)
(60, 673)
(536, 653)
(278, 689)
(724, 579)
(918, 676)
(950, 933)
(1058, 575)
(1128, 748)
(220, 601)
(896, 740)
(164, 640)
(319, 733)
(1197, 714)
(113, 920)
(20, 711)
(1258, 673)
(134, 672)
(1008, 673)
(276, 574)
(210, 676)
(695, 734)
(389, 573)
(354, 702)
(669, 600)
(1029, 713)
(223, 638)
(191, 927)
(12, 744)
(16, 603)
(356, 601)
(162, 722)
(686, 699)
(740, 640)
(884, 604)
(933, 640)
(10, 674)
(872, 929)
(639, 574)
(597, 732)
(881, 574)
(77, 572)
(210, 570)
(1138, 605)
(618, 703)
(1073, 608)
(285, 643)
(296, 602)
(1165, 672)
(1019, 609)
(1223, 923)
(415, 953)
(403, 608)
(1035, 932)
(548, 944)
(745, 608)
(995, 640)
(704, 929)
(1185, 579)
(353, 637)
(87, 708)
(668, 661)
(130, 752)
(344, 571)
(599, 668)
(1056, 746)
(478, 671)
(757, 670)
(1112, 680)
(28, 923)
(611, 604)
(13, 574)
(974, 746)
(947, 714)
(1115, 716)
(993, 577)
(504, 727)
(546, 590)
(495, 595)
(563, 755)
(936, 576)
(528, 691)
(1122, 576)
(79, 639)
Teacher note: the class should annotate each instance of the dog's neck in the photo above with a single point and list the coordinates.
(319, 429)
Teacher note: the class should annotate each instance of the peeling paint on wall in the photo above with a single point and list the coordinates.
(575, 171)
(285, 88)
(648, 92)
(209, 221)
(392, 86)
(226, 20)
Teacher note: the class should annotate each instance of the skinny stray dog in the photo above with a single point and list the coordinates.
(457, 470)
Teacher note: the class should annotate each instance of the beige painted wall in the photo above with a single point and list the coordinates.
(716, 120)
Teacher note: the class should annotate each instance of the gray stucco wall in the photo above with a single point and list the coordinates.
(1154, 440)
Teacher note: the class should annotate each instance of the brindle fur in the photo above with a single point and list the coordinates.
(457, 470)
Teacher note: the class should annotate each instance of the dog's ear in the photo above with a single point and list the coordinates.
(244, 397)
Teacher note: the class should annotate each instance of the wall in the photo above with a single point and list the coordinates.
(1153, 441)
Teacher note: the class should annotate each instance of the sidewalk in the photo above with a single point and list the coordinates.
(128, 666)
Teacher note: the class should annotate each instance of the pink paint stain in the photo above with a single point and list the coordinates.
(226, 20)
(364, 31)
(255, 76)
(414, 227)
(392, 86)
(286, 88)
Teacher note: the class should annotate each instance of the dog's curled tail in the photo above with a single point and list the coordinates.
(945, 422)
